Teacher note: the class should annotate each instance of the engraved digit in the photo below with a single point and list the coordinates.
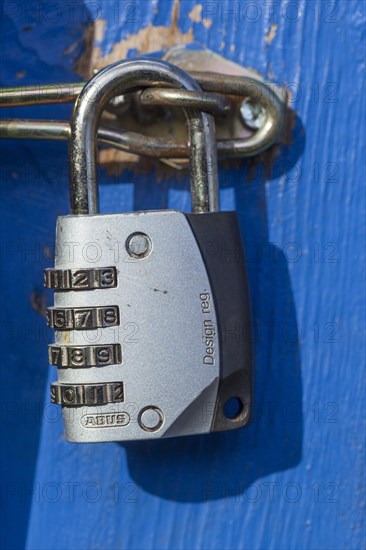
(110, 316)
(104, 356)
(87, 394)
(80, 279)
(93, 396)
(82, 318)
(59, 319)
(53, 394)
(107, 277)
(55, 355)
(77, 356)
(118, 392)
(68, 395)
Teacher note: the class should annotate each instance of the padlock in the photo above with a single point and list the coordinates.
(151, 314)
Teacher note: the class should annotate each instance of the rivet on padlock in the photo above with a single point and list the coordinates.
(153, 334)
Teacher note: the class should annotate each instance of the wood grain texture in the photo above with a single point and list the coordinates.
(295, 478)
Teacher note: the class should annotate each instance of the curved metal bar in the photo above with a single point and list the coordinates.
(184, 99)
(257, 91)
(131, 142)
(47, 94)
(120, 78)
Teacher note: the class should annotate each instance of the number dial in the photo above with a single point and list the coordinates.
(84, 356)
(80, 279)
(82, 318)
(77, 395)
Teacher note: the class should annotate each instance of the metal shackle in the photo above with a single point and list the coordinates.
(115, 80)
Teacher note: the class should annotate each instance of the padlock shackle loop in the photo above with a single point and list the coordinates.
(115, 80)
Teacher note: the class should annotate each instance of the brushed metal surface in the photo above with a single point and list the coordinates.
(161, 324)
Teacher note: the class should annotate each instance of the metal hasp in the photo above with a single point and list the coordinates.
(249, 112)
(152, 339)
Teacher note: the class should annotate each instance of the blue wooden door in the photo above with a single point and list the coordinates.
(295, 477)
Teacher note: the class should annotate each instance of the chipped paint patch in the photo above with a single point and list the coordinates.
(146, 40)
(271, 33)
(207, 23)
(149, 39)
(195, 14)
(99, 32)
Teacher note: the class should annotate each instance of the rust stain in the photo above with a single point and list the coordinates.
(271, 33)
(20, 74)
(48, 252)
(116, 161)
(38, 303)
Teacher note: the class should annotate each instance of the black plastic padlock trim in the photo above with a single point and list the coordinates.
(218, 237)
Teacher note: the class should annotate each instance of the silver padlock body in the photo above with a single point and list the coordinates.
(167, 329)
(149, 314)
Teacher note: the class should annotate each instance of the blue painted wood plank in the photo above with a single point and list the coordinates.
(294, 479)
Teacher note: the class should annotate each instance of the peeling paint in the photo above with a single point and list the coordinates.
(195, 14)
(149, 39)
(271, 33)
(100, 29)
(207, 23)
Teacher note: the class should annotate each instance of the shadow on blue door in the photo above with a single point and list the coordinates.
(222, 465)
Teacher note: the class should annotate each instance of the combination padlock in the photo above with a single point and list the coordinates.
(151, 314)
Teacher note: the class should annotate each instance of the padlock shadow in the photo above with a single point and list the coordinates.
(230, 464)
(224, 464)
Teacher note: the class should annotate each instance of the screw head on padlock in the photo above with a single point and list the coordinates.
(152, 340)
